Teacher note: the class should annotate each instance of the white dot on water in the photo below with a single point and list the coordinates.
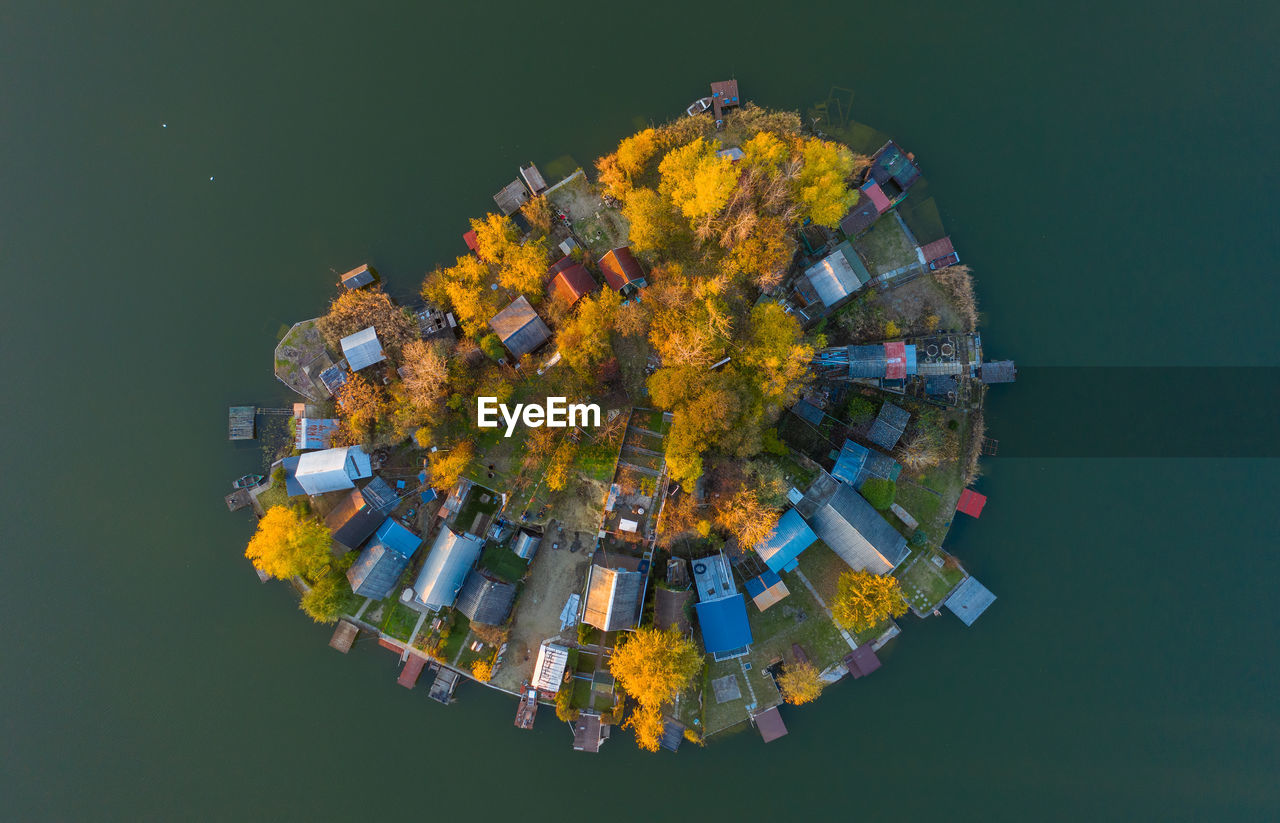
(211, 179)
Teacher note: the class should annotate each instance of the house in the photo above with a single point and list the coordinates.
(378, 568)
(724, 95)
(329, 470)
(622, 271)
(589, 733)
(358, 277)
(721, 609)
(520, 328)
(533, 178)
(856, 464)
(836, 276)
(613, 599)
(362, 349)
(889, 425)
(526, 545)
(939, 254)
(790, 537)
(570, 280)
(767, 589)
(511, 197)
(548, 670)
(360, 513)
(769, 724)
(858, 533)
(452, 556)
(862, 661)
(894, 171)
(971, 503)
(435, 324)
(485, 600)
(314, 434)
(875, 361)
(872, 203)
(969, 600)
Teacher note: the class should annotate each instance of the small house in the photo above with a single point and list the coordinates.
(452, 557)
(871, 203)
(357, 278)
(889, 425)
(721, 609)
(862, 661)
(939, 254)
(613, 599)
(785, 543)
(378, 568)
(362, 349)
(520, 328)
(469, 237)
(533, 179)
(894, 171)
(485, 600)
(324, 471)
(526, 544)
(766, 589)
(548, 670)
(570, 280)
(838, 275)
(858, 533)
(622, 271)
(511, 197)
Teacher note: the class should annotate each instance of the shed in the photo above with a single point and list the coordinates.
(333, 378)
(894, 170)
(511, 197)
(452, 556)
(769, 724)
(548, 670)
(613, 599)
(789, 538)
(621, 270)
(533, 178)
(766, 589)
(329, 470)
(362, 349)
(858, 533)
(726, 633)
(469, 237)
(969, 600)
(871, 203)
(837, 275)
(939, 254)
(589, 733)
(358, 277)
(734, 154)
(520, 328)
(971, 503)
(412, 669)
(889, 425)
(862, 661)
(485, 600)
(713, 577)
(808, 412)
(572, 282)
(526, 545)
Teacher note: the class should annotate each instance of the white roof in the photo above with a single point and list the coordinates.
(332, 470)
(628, 525)
(452, 556)
(833, 278)
(362, 349)
(548, 672)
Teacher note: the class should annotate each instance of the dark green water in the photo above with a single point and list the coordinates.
(1109, 171)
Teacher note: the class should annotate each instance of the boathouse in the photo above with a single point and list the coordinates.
(999, 371)
(858, 533)
(622, 271)
(789, 538)
(894, 171)
(324, 471)
(533, 178)
(613, 599)
(511, 197)
(357, 278)
(485, 600)
(970, 600)
(362, 349)
(452, 556)
(589, 732)
(769, 724)
(862, 661)
(939, 254)
(520, 328)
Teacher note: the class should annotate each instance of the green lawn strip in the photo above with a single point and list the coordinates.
(586, 663)
(776, 629)
(503, 563)
(720, 716)
(595, 461)
(823, 567)
(581, 694)
(274, 496)
(923, 583)
(885, 247)
(870, 634)
(398, 619)
(457, 635)
(474, 505)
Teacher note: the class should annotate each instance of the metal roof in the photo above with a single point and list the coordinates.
(971, 503)
(613, 599)
(362, 349)
(526, 545)
(571, 282)
(862, 661)
(376, 571)
(485, 600)
(620, 268)
(511, 197)
(853, 456)
(889, 425)
(834, 277)
(548, 670)
(360, 513)
(858, 533)
(314, 434)
(357, 277)
(970, 600)
(866, 361)
(396, 536)
(520, 328)
(331, 470)
(766, 590)
(533, 178)
(452, 556)
(712, 577)
(807, 411)
(998, 371)
(789, 538)
(724, 624)
(769, 724)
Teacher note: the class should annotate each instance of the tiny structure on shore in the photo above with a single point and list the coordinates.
(785, 346)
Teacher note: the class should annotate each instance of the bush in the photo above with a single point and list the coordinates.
(491, 345)
(588, 635)
(564, 711)
(919, 539)
(879, 492)
(772, 443)
(860, 410)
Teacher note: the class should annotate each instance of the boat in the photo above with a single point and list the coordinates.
(247, 482)
(698, 106)
(528, 708)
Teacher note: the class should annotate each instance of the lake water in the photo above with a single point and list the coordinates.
(1108, 170)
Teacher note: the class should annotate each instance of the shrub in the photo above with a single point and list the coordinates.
(860, 410)
(879, 492)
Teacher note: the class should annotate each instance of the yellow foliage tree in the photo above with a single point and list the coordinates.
(524, 268)
(447, 465)
(696, 180)
(766, 150)
(891, 329)
(361, 404)
(654, 224)
(776, 354)
(799, 683)
(653, 666)
(352, 311)
(482, 670)
(823, 184)
(464, 287)
(289, 544)
(557, 476)
(618, 171)
(864, 600)
(747, 517)
(584, 339)
(495, 236)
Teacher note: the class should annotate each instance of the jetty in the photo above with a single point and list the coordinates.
(412, 669)
(527, 711)
(445, 684)
(240, 422)
(344, 636)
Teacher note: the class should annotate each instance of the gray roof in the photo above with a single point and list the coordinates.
(613, 599)
(362, 349)
(889, 425)
(520, 328)
(360, 513)
(376, 571)
(858, 533)
(511, 197)
(357, 277)
(969, 600)
(485, 600)
(526, 545)
(999, 371)
(452, 556)
(837, 275)
(866, 361)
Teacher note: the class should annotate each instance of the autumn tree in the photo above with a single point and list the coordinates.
(822, 186)
(324, 600)
(482, 670)
(523, 269)
(447, 465)
(696, 180)
(361, 405)
(747, 517)
(653, 666)
(426, 373)
(620, 170)
(918, 452)
(777, 354)
(538, 212)
(864, 600)
(289, 543)
(799, 683)
(465, 288)
(359, 309)
(557, 474)
(655, 224)
(584, 339)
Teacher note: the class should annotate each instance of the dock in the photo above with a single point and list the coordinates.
(445, 684)
(239, 499)
(240, 422)
(344, 636)
(527, 711)
(412, 669)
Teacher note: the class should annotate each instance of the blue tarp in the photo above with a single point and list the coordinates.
(724, 624)
(790, 537)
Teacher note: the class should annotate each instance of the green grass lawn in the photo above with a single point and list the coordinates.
(274, 496)
(595, 461)
(924, 584)
(398, 619)
(504, 563)
(581, 694)
(823, 567)
(586, 663)
(351, 602)
(718, 717)
(798, 618)
(475, 504)
(885, 247)
(457, 635)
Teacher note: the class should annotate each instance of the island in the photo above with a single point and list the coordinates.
(769, 354)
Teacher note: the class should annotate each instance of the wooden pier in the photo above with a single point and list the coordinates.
(412, 668)
(344, 636)
(240, 423)
(527, 711)
(445, 684)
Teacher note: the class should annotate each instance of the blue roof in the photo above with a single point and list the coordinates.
(376, 571)
(852, 458)
(790, 537)
(724, 623)
(756, 586)
(398, 538)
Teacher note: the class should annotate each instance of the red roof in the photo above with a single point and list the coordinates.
(770, 725)
(971, 503)
(412, 668)
(470, 239)
(862, 662)
(937, 250)
(571, 283)
(873, 191)
(390, 644)
(620, 268)
(895, 360)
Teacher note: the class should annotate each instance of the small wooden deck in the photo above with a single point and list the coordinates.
(344, 636)
(239, 499)
(412, 669)
(445, 684)
(240, 422)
